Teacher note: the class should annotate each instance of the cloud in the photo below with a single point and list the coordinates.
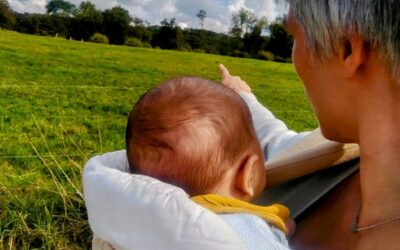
(36, 6)
(219, 12)
(235, 6)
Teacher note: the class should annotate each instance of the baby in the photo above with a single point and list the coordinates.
(198, 135)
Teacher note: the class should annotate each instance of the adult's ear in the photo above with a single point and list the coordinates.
(354, 55)
(245, 177)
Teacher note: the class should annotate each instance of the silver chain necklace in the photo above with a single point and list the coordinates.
(356, 228)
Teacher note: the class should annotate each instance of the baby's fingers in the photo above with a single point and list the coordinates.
(233, 82)
(224, 72)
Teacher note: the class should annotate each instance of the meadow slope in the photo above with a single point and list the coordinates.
(63, 101)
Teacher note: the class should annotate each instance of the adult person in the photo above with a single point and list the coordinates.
(347, 53)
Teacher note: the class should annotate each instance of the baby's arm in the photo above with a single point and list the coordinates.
(273, 134)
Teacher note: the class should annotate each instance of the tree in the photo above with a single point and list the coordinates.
(140, 31)
(165, 38)
(242, 22)
(88, 20)
(42, 24)
(280, 42)
(87, 9)
(60, 7)
(171, 23)
(254, 41)
(202, 16)
(169, 36)
(7, 16)
(138, 21)
(245, 31)
(116, 22)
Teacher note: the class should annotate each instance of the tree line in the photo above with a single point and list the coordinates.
(248, 35)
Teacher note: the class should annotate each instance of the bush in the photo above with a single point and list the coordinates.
(279, 59)
(242, 54)
(7, 16)
(146, 45)
(185, 47)
(133, 42)
(99, 38)
(199, 51)
(266, 55)
(269, 56)
(289, 60)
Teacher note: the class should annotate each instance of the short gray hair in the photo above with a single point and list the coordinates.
(327, 24)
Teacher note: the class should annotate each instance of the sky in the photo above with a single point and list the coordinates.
(219, 12)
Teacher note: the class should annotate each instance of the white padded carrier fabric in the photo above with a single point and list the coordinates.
(137, 212)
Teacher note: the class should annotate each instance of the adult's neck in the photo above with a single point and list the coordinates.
(379, 140)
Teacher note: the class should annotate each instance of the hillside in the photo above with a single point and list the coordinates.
(63, 101)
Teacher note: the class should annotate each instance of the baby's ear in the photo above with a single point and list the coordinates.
(245, 176)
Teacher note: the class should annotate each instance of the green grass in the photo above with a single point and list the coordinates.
(63, 101)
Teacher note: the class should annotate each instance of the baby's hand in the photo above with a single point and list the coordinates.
(233, 82)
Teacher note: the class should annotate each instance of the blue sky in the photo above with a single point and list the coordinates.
(218, 19)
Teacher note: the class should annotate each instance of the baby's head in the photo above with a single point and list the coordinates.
(197, 135)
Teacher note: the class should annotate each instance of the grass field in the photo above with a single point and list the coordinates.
(63, 101)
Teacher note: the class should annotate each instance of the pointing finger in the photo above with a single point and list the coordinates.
(223, 71)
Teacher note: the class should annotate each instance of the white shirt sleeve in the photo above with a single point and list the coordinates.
(273, 134)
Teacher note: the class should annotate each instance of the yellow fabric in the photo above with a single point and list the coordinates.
(275, 215)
